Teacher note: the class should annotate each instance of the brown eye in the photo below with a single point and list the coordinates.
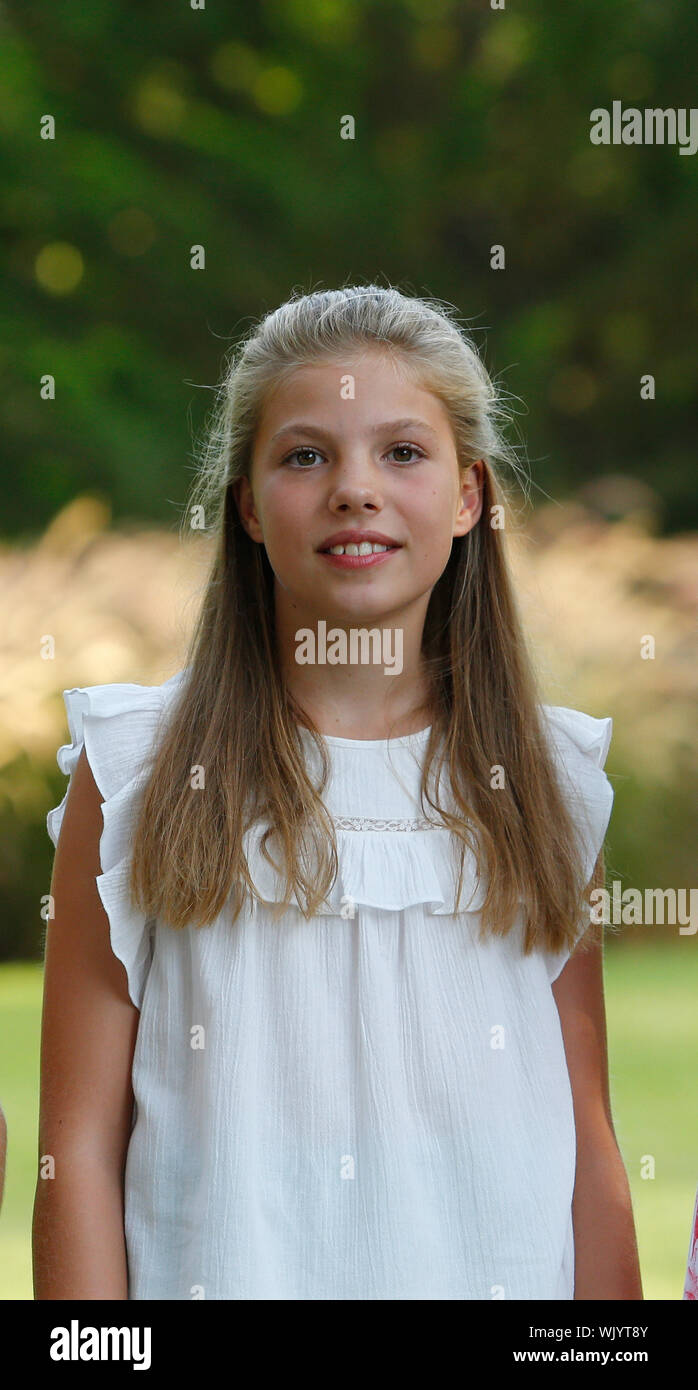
(409, 448)
(305, 449)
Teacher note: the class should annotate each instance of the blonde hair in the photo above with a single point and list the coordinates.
(234, 715)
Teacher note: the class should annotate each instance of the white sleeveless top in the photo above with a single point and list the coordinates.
(366, 1106)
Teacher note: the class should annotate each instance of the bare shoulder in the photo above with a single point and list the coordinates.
(89, 1023)
(80, 924)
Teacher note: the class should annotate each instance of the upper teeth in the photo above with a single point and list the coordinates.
(366, 548)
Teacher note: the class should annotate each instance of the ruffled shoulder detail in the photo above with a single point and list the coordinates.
(580, 744)
(590, 736)
(117, 725)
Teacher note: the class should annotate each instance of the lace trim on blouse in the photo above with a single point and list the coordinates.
(369, 823)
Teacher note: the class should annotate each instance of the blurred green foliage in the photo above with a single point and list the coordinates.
(178, 127)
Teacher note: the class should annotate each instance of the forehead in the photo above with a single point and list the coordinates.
(363, 389)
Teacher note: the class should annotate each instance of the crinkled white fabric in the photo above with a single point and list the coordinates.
(366, 1106)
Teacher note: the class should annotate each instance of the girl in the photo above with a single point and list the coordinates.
(311, 1026)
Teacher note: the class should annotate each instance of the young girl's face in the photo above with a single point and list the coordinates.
(380, 457)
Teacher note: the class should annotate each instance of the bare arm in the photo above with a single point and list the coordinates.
(88, 1035)
(606, 1258)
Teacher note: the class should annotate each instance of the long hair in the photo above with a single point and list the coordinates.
(234, 716)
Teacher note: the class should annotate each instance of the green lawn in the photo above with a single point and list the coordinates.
(653, 1043)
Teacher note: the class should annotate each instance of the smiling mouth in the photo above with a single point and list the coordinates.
(355, 562)
(352, 548)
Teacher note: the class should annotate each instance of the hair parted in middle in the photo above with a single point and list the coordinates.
(235, 716)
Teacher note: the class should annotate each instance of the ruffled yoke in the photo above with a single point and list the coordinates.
(392, 860)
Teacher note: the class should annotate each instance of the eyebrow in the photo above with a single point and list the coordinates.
(303, 427)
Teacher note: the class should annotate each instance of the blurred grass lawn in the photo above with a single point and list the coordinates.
(653, 1044)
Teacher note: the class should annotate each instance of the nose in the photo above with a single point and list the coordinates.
(356, 486)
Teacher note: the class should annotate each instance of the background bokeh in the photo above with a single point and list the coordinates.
(178, 128)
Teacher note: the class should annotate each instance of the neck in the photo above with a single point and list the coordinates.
(347, 682)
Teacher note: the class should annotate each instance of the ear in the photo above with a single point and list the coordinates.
(470, 501)
(241, 490)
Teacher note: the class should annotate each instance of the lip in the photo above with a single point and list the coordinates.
(356, 537)
(357, 562)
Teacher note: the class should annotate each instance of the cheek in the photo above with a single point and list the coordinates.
(285, 511)
(430, 511)
(288, 526)
(431, 495)
(431, 521)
